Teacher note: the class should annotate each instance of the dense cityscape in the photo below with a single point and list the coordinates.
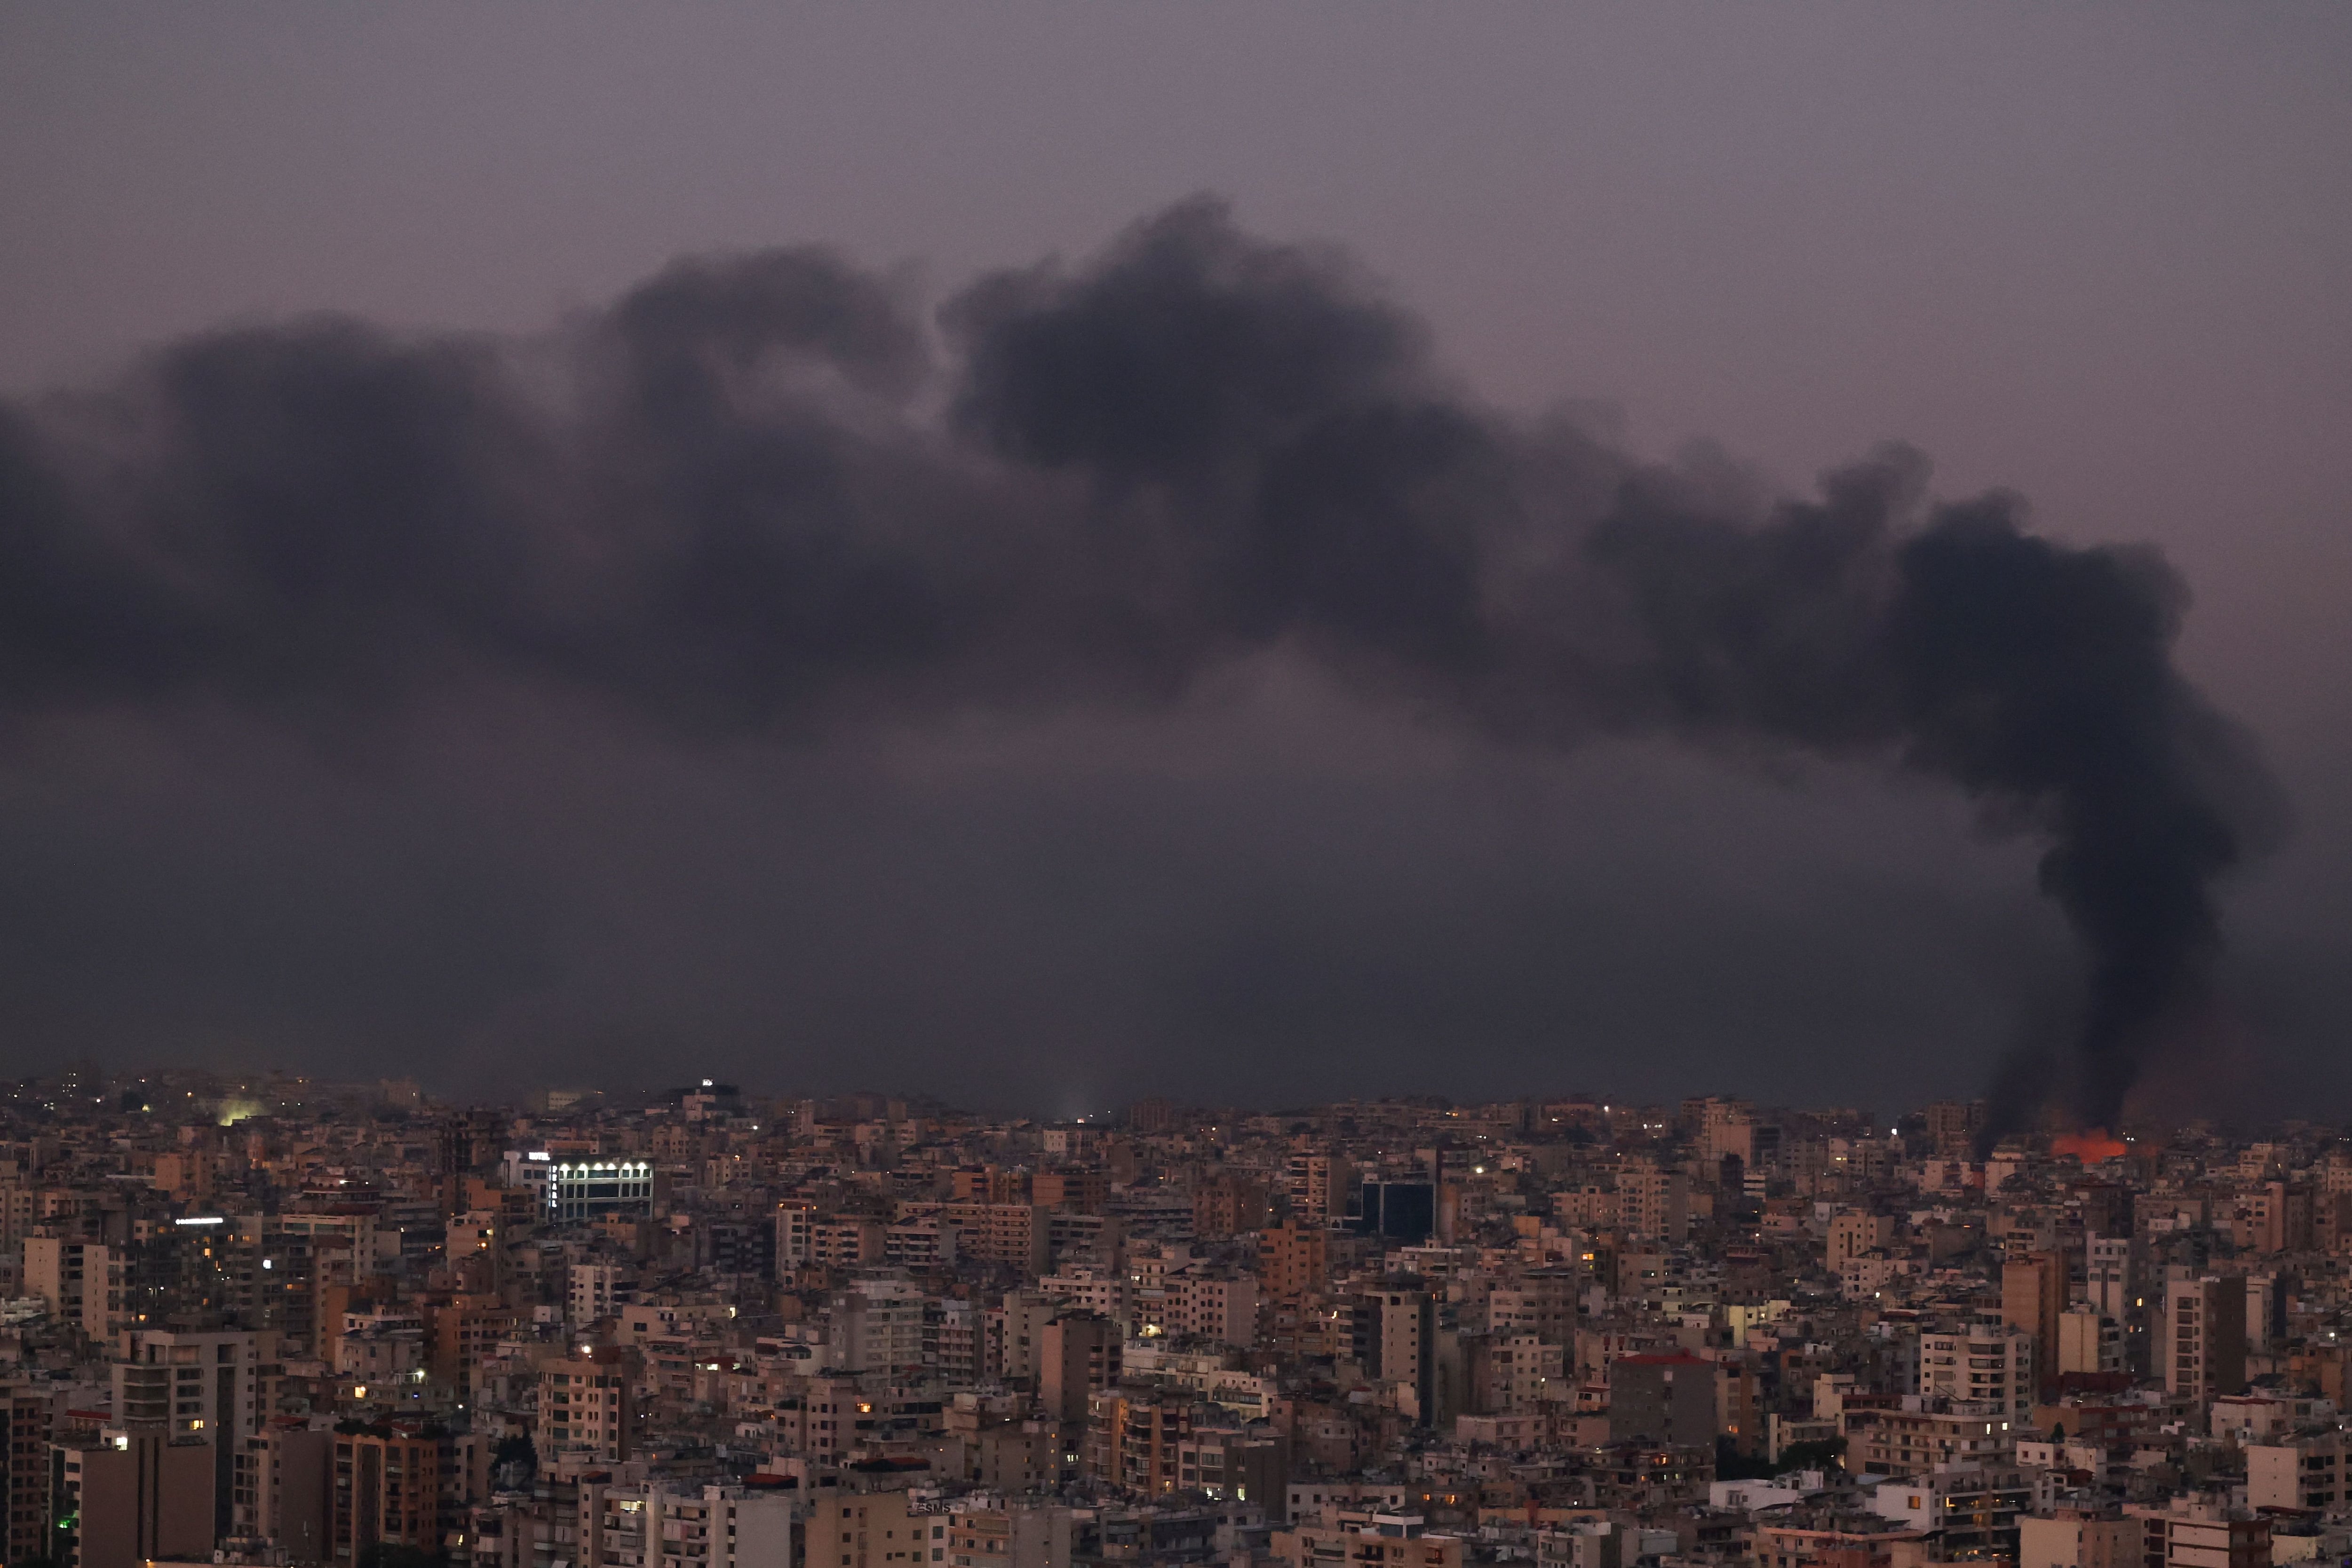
(578, 581)
(280, 1321)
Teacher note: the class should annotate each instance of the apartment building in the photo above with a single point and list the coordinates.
(2303, 1471)
(396, 1484)
(587, 1404)
(869, 1530)
(81, 1281)
(215, 1386)
(2070, 1537)
(2034, 1297)
(2115, 1276)
(924, 1244)
(2090, 1342)
(1909, 1442)
(1017, 1535)
(1230, 1204)
(877, 1326)
(1670, 1399)
(282, 1487)
(2202, 1344)
(1971, 1513)
(2199, 1532)
(126, 1497)
(1852, 1233)
(1017, 1235)
(1395, 1338)
(1653, 1202)
(1079, 1358)
(1318, 1187)
(1373, 1541)
(1087, 1291)
(795, 1239)
(1076, 1189)
(1133, 1435)
(682, 1526)
(595, 1292)
(1293, 1259)
(28, 1411)
(1220, 1307)
(1986, 1365)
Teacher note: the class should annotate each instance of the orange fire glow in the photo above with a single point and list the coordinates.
(2090, 1146)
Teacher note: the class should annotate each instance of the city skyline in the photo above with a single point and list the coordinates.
(280, 1321)
(1209, 784)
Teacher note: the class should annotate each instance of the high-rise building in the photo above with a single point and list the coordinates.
(1079, 1358)
(1543, 1303)
(1670, 1399)
(2277, 1219)
(2115, 1285)
(1987, 1363)
(28, 1412)
(863, 1529)
(1023, 1317)
(2265, 1310)
(402, 1484)
(81, 1281)
(1228, 1205)
(1313, 1182)
(679, 1526)
(795, 1228)
(586, 1404)
(1214, 1306)
(2114, 1276)
(739, 1247)
(464, 1332)
(2202, 1344)
(1395, 1340)
(1720, 1129)
(594, 1291)
(1653, 1202)
(1133, 1435)
(2033, 1294)
(1953, 1126)
(1293, 1259)
(877, 1326)
(2089, 1341)
(1015, 1535)
(267, 1281)
(129, 1496)
(211, 1386)
(1071, 1188)
(2097, 1536)
(1226, 1462)
(1017, 1235)
(2197, 1532)
(283, 1485)
(20, 1210)
(988, 1183)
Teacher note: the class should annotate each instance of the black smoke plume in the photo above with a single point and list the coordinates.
(763, 495)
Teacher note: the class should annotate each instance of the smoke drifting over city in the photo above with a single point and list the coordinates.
(773, 495)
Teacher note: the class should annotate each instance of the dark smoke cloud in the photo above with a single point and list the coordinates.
(759, 498)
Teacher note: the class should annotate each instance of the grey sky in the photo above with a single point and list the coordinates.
(2098, 254)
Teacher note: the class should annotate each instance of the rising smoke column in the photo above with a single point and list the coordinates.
(2041, 680)
(753, 499)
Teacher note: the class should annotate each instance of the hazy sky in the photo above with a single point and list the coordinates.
(2098, 255)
